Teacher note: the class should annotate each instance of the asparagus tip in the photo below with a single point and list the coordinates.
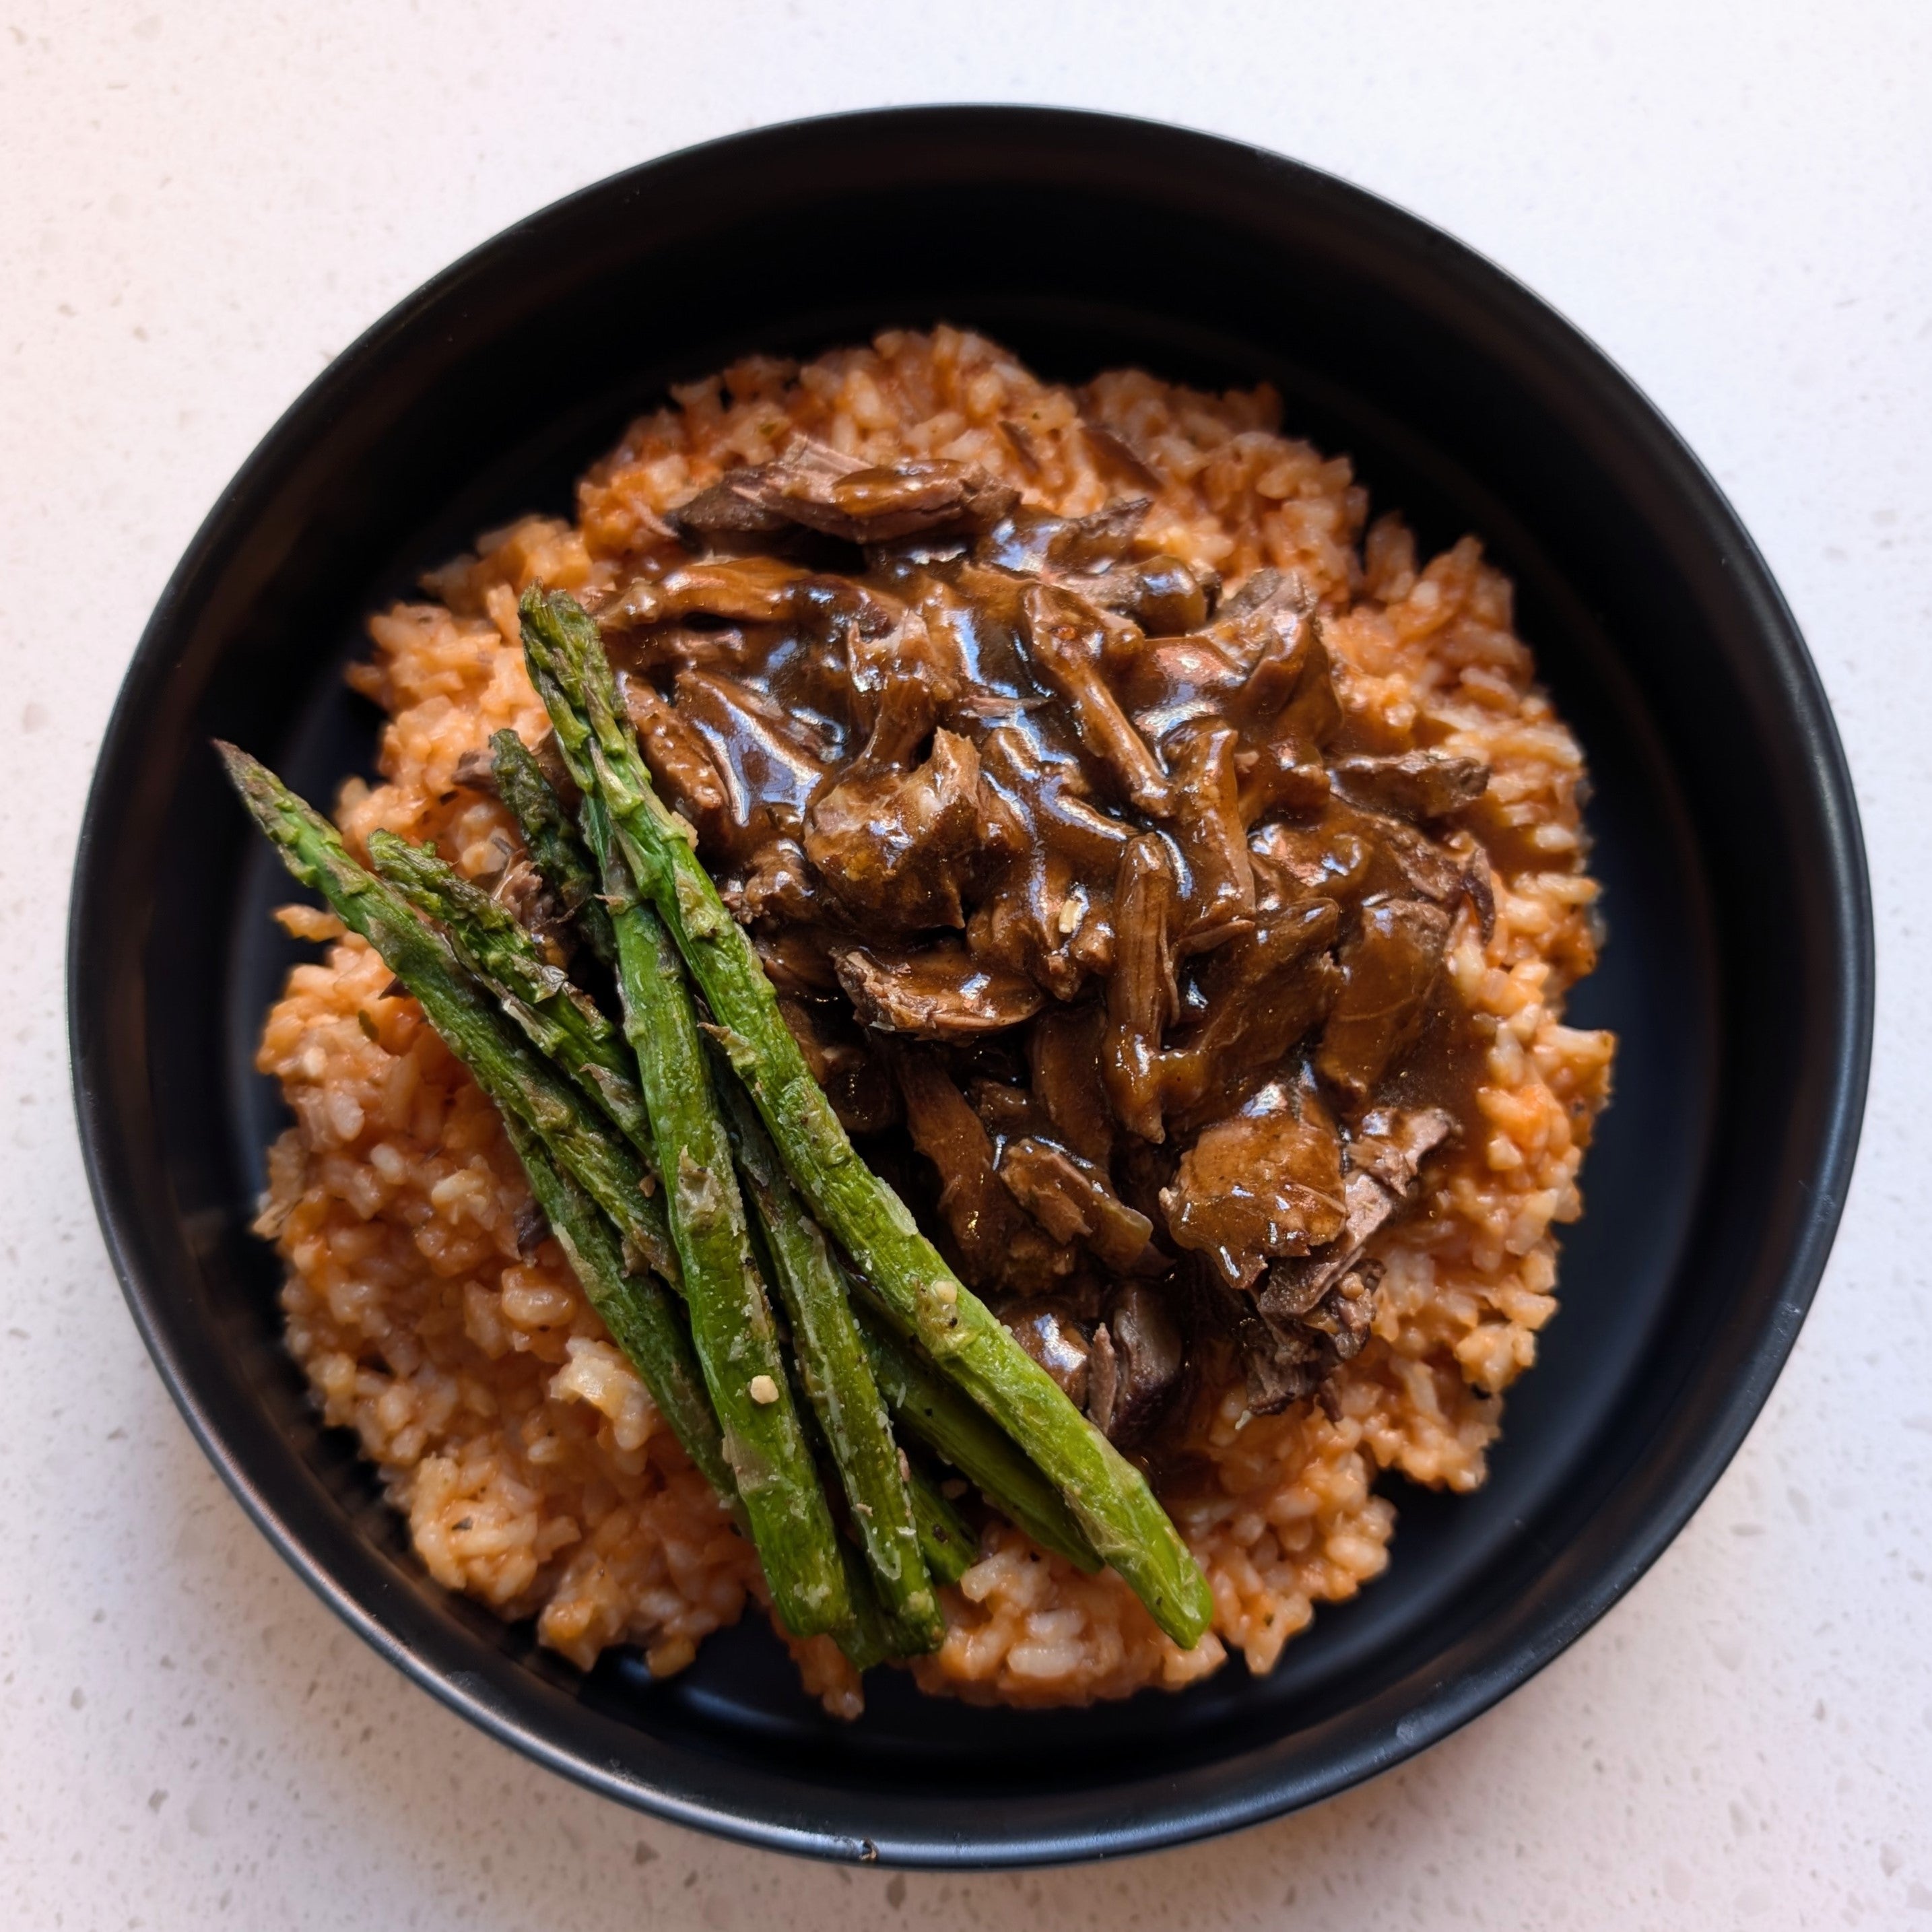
(239, 767)
(260, 789)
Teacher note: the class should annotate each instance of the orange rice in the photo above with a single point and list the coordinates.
(531, 1463)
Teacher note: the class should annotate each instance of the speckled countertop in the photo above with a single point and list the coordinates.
(202, 203)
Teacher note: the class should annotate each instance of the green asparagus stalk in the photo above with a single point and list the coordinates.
(731, 1322)
(1107, 1494)
(562, 1022)
(946, 1538)
(837, 1379)
(932, 1409)
(644, 1318)
(552, 841)
(522, 1084)
(866, 1638)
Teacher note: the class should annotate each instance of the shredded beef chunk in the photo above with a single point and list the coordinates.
(681, 764)
(1418, 784)
(1162, 595)
(942, 993)
(894, 844)
(1388, 968)
(1313, 1311)
(1219, 903)
(1049, 1332)
(1090, 895)
(1285, 1360)
(1072, 1199)
(770, 767)
(1031, 543)
(1260, 995)
(539, 910)
(1066, 641)
(1136, 1365)
(995, 1245)
(1142, 996)
(1267, 1183)
(817, 489)
(1063, 1057)
(761, 589)
(850, 1063)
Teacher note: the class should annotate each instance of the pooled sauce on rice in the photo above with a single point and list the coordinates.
(1078, 1000)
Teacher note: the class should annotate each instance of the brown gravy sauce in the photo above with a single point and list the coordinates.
(956, 786)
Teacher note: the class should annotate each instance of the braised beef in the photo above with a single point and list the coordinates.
(1314, 1311)
(1049, 1332)
(1267, 1183)
(1330, 858)
(1391, 1147)
(777, 883)
(1286, 1359)
(1388, 965)
(1100, 900)
(1141, 996)
(1164, 596)
(846, 1059)
(1071, 1199)
(681, 766)
(1051, 801)
(1090, 556)
(796, 959)
(939, 993)
(895, 845)
(1287, 695)
(1481, 890)
(1063, 1048)
(532, 1229)
(1065, 638)
(1260, 995)
(1265, 588)
(819, 489)
(1113, 452)
(757, 589)
(1416, 784)
(1392, 1142)
(476, 770)
(549, 755)
(1006, 1109)
(1168, 684)
(1032, 543)
(1280, 778)
(995, 1244)
(538, 909)
(751, 501)
(1019, 439)
(768, 766)
(1136, 1365)
(1218, 900)
(1410, 863)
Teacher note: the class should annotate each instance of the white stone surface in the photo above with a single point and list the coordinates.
(199, 204)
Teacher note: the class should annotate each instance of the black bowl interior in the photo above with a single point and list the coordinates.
(1724, 830)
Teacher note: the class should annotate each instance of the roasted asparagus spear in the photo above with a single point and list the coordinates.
(524, 1086)
(562, 1022)
(552, 841)
(837, 1378)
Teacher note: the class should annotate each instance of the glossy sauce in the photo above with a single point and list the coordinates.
(1045, 858)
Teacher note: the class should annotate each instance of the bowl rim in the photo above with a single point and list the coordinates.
(1848, 998)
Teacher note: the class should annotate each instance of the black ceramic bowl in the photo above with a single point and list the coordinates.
(1738, 973)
